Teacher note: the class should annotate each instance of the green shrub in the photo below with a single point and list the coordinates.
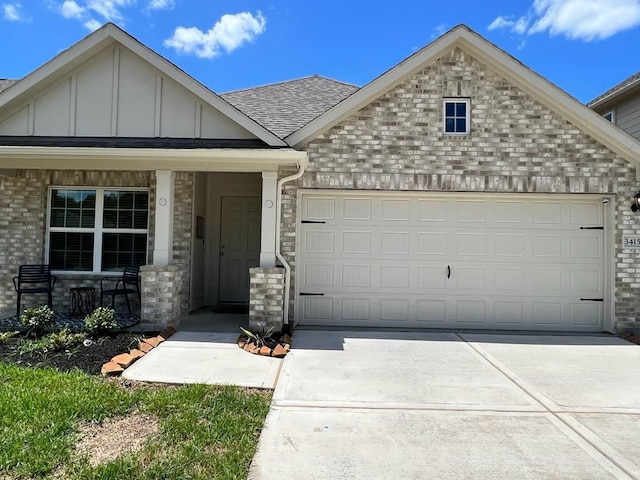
(65, 339)
(101, 320)
(37, 320)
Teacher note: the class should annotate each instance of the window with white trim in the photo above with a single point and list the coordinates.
(609, 116)
(456, 116)
(97, 229)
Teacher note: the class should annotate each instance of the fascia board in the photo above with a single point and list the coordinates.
(127, 159)
(616, 96)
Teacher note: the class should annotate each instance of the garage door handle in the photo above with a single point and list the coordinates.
(448, 271)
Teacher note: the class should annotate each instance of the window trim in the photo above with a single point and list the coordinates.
(613, 116)
(467, 102)
(98, 230)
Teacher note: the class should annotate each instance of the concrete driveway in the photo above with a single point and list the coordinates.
(368, 405)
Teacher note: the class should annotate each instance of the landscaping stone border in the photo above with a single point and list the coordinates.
(119, 363)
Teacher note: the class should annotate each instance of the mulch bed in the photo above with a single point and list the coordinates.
(87, 357)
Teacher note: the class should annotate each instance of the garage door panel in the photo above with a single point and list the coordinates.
(586, 247)
(357, 209)
(509, 213)
(436, 260)
(432, 243)
(509, 313)
(432, 211)
(395, 210)
(356, 242)
(356, 276)
(431, 311)
(319, 208)
(586, 314)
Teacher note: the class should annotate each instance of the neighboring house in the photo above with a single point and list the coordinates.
(459, 189)
(621, 105)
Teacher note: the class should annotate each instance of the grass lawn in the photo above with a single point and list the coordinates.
(199, 431)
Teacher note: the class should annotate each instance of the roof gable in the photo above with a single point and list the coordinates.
(109, 84)
(505, 65)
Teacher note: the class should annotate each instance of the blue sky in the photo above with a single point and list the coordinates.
(583, 46)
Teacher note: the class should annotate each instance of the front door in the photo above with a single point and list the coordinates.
(239, 246)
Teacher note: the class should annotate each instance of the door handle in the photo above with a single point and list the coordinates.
(448, 271)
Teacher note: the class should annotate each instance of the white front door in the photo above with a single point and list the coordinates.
(239, 246)
(451, 260)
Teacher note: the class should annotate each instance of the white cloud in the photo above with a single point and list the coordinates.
(109, 9)
(161, 4)
(71, 9)
(92, 24)
(230, 32)
(11, 12)
(576, 19)
(439, 30)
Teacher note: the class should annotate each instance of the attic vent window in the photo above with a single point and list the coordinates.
(456, 116)
(609, 116)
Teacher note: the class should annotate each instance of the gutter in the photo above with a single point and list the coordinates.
(303, 163)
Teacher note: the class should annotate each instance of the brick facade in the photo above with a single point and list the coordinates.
(266, 292)
(23, 214)
(161, 295)
(516, 145)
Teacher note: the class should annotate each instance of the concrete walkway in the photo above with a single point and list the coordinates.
(355, 405)
(204, 357)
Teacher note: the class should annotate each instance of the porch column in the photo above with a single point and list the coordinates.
(163, 239)
(269, 220)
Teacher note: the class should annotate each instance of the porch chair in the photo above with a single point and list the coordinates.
(128, 283)
(34, 279)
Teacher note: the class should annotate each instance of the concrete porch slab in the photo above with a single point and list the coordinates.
(204, 357)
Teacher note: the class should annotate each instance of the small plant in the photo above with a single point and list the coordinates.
(65, 339)
(259, 339)
(101, 320)
(37, 320)
(4, 336)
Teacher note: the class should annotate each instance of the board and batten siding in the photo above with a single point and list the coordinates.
(516, 145)
(118, 94)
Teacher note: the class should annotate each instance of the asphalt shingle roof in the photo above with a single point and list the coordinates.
(287, 106)
(6, 83)
(613, 91)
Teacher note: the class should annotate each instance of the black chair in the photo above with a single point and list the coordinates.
(34, 279)
(128, 283)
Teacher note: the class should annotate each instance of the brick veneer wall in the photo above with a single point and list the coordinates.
(161, 295)
(266, 292)
(23, 212)
(516, 145)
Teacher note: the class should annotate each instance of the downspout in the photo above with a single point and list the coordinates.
(302, 165)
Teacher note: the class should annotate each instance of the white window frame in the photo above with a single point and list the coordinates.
(467, 102)
(612, 114)
(97, 229)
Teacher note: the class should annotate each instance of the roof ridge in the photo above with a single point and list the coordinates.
(283, 82)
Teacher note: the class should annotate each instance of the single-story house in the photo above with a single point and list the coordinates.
(459, 189)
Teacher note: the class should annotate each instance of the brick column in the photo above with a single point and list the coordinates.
(161, 295)
(266, 298)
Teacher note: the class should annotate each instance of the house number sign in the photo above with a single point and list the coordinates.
(631, 241)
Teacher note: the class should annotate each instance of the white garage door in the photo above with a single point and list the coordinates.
(509, 262)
